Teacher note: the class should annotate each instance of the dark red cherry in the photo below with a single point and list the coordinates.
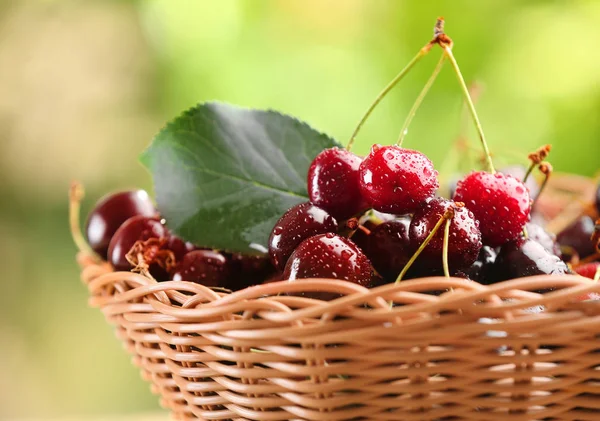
(296, 225)
(578, 236)
(333, 183)
(388, 247)
(525, 257)
(518, 172)
(329, 256)
(499, 202)
(179, 247)
(136, 228)
(481, 270)
(464, 240)
(110, 212)
(397, 180)
(588, 269)
(546, 239)
(206, 267)
(245, 270)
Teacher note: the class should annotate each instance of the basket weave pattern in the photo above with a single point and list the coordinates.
(263, 353)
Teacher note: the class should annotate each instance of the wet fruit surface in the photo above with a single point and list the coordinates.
(499, 202)
(397, 180)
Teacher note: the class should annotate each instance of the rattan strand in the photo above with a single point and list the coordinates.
(474, 353)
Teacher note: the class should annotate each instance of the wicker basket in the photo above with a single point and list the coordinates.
(473, 353)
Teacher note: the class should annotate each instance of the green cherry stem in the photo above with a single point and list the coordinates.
(422, 52)
(448, 215)
(420, 99)
(76, 194)
(445, 248)
(448, 50)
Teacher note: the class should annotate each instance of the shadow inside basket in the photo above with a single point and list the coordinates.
(432, 348)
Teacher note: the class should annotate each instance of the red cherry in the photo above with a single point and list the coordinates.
(578, 236)
(500, 202)
(464, 241)
(588, 269)
(136, 228)
(204, 267)
(179, 247)
(388, 247)
(333, 183)
(329, 256)
(109, 214)
(247, 270)
(297, 224)
(397, 180)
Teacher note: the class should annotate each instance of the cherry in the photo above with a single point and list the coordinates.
(206, 267)
(588, 269)
(388, 247)
(518, 172)
(179, 247)
(136, 228)
(480, 271)
(329, 256)
(333, 183)
(464, 241)
(578, 235)
(598, 199)
(526, 257)
(297, 224)
(500, 202)
(110, 212)
(537, 233)
(248, 270)
(397, 180)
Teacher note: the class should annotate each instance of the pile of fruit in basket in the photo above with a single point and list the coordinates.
(258, 196)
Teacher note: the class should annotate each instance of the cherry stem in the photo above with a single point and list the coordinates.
(528, 173)
(448, 215)
(447, 48)
(422, 52)
(546, 169)
(76, 193)
(445, 248)
(419, 100)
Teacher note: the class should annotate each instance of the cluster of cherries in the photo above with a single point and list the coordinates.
(490, 234)
(126, 230)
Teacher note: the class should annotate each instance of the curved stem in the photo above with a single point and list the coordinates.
(419, 100)
(446, 216)
(470, 106)
(422, 52)
(76, 194)
(445, 248)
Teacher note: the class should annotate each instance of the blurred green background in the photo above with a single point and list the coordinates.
(85, 85)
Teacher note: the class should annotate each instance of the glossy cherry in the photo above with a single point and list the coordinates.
(329, 256)
(297, 224)
(333, 183)
(388, 247)
(525, 257)
(136, 228)
(481, 270)
(179, 247)
(397, 180)
(464, 240)
(518, 172)
(499, 202)
(206, 267)
(110, 212)
(578, 236)
(246, 270)
(537, 233)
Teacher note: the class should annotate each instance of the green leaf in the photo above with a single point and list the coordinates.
(223, 175)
